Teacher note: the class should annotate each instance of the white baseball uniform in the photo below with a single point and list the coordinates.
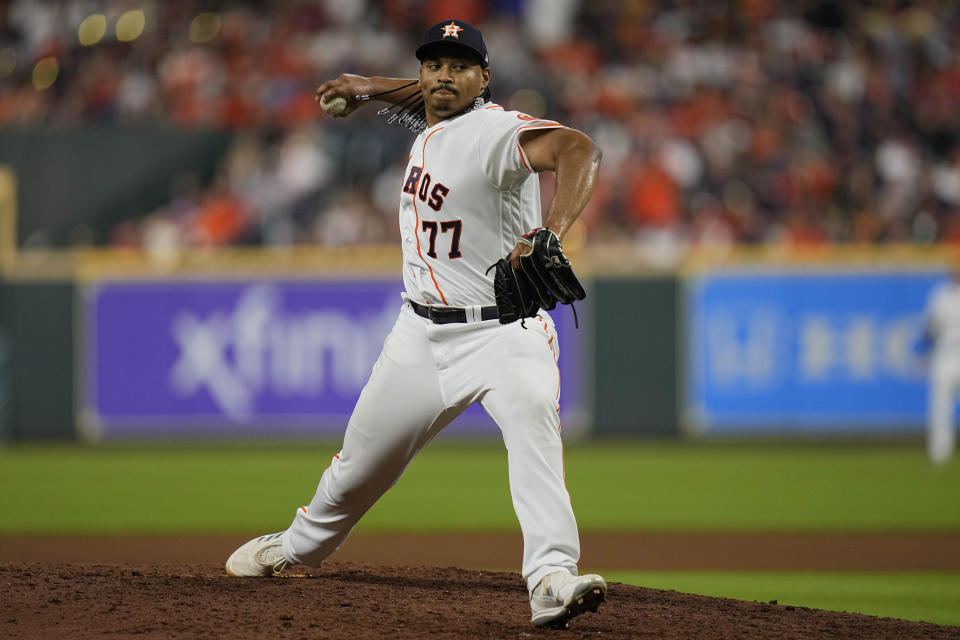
(943, 323)
(469, 192)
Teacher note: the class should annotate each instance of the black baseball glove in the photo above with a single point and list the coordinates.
(545, 278)
(516, 299)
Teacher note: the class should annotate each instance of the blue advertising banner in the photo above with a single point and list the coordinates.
(806, 352)
(267, 357)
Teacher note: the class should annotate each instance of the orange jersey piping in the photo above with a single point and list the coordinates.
(416, 213)
(523, 155)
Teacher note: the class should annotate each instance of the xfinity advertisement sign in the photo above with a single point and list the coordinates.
(268, 355)
(272, 357)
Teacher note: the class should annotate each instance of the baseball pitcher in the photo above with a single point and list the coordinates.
(481, 266)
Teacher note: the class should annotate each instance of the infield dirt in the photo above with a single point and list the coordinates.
(155, 587)
(352, 601)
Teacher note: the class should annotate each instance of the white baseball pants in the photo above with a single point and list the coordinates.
(944, 391)
(427, 374)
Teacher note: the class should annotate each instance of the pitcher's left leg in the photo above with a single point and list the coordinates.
(522, 396)
(524, 404)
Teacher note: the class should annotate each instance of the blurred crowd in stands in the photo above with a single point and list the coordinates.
(721, 123)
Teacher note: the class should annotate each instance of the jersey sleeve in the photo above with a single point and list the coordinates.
(501, 156)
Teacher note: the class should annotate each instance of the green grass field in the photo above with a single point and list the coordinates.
(931, 596)
(618, 486)
(615, 486)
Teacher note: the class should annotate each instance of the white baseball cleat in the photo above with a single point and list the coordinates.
(261, 557)
(561, 596)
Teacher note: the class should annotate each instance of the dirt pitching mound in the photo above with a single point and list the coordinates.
(358, 601)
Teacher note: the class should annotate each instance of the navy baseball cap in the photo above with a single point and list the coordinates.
(458, 33)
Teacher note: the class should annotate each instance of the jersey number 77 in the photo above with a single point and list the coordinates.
(447, 225)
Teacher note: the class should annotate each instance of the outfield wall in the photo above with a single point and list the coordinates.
(116, 346)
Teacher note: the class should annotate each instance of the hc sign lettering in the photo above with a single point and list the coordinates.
(858, 348)
(773, 350)
(742, 348)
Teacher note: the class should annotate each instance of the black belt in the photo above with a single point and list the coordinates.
(446, 315)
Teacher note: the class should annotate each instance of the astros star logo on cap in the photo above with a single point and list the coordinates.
(452, 30)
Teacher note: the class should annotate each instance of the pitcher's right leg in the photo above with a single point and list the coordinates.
(399, 411)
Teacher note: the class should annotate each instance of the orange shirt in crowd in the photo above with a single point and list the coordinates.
(653, 198)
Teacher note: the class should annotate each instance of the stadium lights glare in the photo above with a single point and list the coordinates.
(204, 27)
(92, 29)
(45, 73)
(130, 25)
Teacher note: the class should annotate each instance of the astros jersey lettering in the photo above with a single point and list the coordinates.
(468, 193)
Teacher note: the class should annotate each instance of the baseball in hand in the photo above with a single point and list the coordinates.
(335, 106)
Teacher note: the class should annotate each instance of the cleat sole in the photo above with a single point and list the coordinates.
(593, 594)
